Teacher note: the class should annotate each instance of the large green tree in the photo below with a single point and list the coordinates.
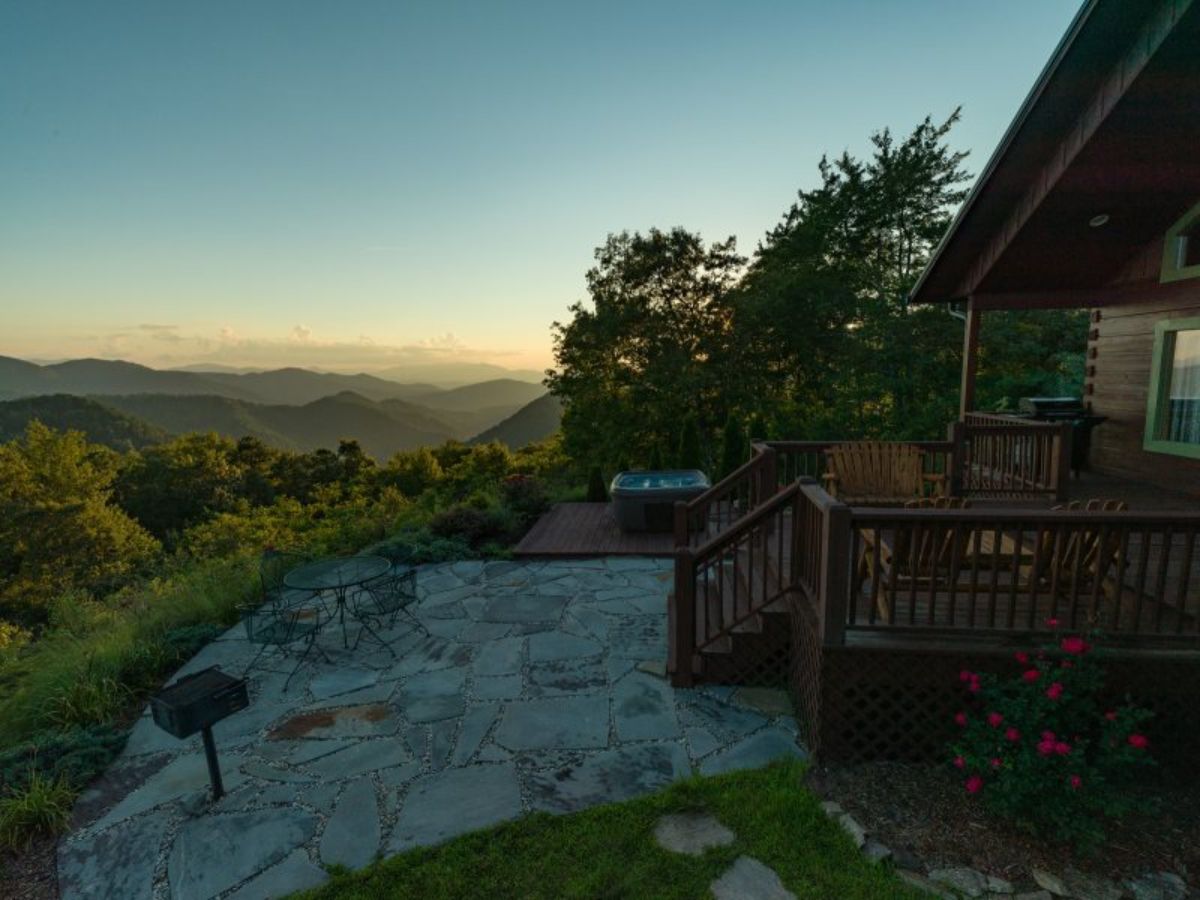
(646, 349)
(59, 530)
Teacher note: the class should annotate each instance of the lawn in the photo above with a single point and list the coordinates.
(610, 851)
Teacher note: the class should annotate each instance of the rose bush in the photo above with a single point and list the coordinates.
(1037, 747)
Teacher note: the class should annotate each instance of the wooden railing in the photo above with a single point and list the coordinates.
(1132, 577)
(722, 584)
(743, 490)
(806, 459)
(1005, 456)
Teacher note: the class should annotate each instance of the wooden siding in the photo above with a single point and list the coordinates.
(1119, 358)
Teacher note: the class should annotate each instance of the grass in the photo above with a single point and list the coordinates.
(43, 807)
(610, 851)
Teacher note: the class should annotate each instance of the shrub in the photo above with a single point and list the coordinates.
(596, 491)
(77, 756)
(1039, 749)
(43, 806)
(472, 525)
(656, 460)
(689, 456)
(526, 496)
(735, 446)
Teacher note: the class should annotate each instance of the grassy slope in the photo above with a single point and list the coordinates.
(611, 852)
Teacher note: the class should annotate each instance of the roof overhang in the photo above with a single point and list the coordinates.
(1110, 129)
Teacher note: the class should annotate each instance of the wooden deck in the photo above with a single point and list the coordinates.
(588, 529)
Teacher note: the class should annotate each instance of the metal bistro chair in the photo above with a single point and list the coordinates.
(283, 617)
(386, 599)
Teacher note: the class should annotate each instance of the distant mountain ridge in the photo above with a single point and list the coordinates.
(535, 421)
(66, 412)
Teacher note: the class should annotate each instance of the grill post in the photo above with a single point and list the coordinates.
(214, 767)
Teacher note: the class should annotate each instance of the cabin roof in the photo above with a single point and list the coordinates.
(1110, 128)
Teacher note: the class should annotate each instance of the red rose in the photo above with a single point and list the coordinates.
(1075, 781)
(995, 719)
(1074, 645)
(1021, 656)
(1139, 741)
(1031, 675)
(1055, 690)
(960, 719)
(1012, 735)
(959, 762)
(974, 784)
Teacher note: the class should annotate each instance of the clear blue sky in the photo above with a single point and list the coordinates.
(348, 184)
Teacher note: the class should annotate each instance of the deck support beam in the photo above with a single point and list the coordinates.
(970, 358)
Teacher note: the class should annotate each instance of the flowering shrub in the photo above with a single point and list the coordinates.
(1038, 748)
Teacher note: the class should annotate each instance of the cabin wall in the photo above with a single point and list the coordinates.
(1120, 352)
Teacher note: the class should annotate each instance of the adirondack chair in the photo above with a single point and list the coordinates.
(922, 556)
(1077, 562)
(878, 473)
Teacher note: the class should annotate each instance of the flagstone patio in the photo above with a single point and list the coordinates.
(537, 690)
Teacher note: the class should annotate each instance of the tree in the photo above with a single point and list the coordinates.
(689, 455)
(735, 446)
(59, 530)
(643, 353)
(596, 490)
(412, 472)
(656, 460)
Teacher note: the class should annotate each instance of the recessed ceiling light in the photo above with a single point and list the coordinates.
(1097, 221)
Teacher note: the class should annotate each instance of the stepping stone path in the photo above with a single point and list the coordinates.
(540, 688)
(747, 879)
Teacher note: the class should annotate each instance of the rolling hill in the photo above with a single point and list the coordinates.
(497, 393)
(380, 430)
(102, 424)
(532, 422)
(103, 377)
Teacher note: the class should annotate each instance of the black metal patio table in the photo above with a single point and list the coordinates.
(337, 576)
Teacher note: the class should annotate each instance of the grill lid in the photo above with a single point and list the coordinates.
(1053, 406)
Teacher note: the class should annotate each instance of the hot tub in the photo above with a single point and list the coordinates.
(645, 500)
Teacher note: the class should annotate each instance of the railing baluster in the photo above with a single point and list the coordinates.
(1160, 589)
(1185, 576)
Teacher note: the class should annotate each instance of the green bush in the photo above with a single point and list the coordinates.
(735, 446)
(77, 755)
(525, 496)
(1039, 749)
(689, 455)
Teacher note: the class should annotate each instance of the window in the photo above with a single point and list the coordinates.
(1173, 418)
(1181, 250)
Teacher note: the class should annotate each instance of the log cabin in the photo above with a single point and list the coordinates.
(868, 609)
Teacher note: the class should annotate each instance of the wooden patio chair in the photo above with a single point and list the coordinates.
(1082, 560)
(915, 556)
(879, 473)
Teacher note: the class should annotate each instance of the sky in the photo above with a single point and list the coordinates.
(361, 184)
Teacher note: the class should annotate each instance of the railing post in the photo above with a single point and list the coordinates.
(681, 524)
(1062, 460)
(835, 572)
(957, 435)
(769, 474)
(683, 637)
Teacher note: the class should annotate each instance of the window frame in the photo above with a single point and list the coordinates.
(1160, 382)
(1171, 269)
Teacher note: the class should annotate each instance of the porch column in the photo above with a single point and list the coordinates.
(970, 359)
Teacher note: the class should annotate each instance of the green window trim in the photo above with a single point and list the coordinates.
(1173, 249)
(1157, 401)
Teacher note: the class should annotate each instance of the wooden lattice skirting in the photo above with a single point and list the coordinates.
(859, 704)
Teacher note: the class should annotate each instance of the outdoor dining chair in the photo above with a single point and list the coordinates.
(384, 600)
(282, 617)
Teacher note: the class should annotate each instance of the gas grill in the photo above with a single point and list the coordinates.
(1066, 409)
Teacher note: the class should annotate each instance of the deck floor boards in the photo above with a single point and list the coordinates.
(588, 529)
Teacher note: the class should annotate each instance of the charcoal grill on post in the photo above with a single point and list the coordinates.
(196, 703)
(1066, 409)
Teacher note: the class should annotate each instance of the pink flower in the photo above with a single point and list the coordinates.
(959, 762)
(1074, 645)
(1048, 736)
(960, 719)
(974, 784)
(1052, 622)
(995, 719)
(995, 762)
(1012, 735)
(1055, 690)
(1045, 748)
(1139, 741)
(1031, 675)
(1021, 656)
(1075, 782)
(1062, 748)
(973, 686)
(965, 676)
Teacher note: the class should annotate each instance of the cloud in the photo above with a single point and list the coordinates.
(166, 333)
(300, 334)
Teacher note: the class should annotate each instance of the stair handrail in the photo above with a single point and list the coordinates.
(755, 479)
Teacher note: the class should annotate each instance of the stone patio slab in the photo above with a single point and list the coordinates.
(608, 777)
(449, 803)
(575, 723)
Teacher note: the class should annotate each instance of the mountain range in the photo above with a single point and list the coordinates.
(127, 405)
